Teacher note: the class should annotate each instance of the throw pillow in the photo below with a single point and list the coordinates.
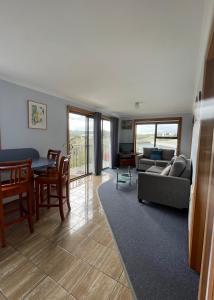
(155, 155)
(147, 152)
(166, 170)
(178, 167)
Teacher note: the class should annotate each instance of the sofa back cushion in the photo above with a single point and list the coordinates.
(178, 167)
(166, 170)
(167, 154)
(147, 152)
(187, 173)
(156, 154)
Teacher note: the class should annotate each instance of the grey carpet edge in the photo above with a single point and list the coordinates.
(102, 187)
(114, 239)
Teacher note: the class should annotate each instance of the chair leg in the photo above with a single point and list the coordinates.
(48, 195)
(37, 200)
(41, 193)
(33, 187)
(30, 210)
(67, 196)
(3, 241)
(61, 204)
(20, 205)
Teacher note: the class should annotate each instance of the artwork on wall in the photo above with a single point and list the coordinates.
(126, 124)
(37, 115)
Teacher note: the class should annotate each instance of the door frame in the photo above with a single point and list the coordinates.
(202, 214)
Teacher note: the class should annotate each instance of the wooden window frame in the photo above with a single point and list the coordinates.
(80, 111)
(156, 121)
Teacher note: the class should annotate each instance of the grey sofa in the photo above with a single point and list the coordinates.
(168, 186)
(144, 162)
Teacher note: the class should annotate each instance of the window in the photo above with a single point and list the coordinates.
(161, 134)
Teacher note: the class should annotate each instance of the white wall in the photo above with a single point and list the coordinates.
(14, 119)
(126, 136)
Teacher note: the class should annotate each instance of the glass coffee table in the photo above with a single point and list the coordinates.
(124, 176)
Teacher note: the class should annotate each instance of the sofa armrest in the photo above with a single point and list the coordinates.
(167, 190)
(137, 159)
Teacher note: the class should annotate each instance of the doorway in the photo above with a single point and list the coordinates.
(80, 144)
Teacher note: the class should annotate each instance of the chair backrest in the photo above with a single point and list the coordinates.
(15, 173)
(64, 167)
(54, 155)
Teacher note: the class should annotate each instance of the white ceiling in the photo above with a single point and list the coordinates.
(105, 53)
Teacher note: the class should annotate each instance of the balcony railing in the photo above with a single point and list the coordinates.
(78, 161)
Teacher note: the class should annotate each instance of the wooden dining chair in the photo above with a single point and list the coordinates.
(15, 180)
(61, 180)
(53, 155)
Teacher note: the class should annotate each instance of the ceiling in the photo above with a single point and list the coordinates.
(108, 54)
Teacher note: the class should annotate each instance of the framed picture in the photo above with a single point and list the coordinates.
(37, 115)
(126, 124)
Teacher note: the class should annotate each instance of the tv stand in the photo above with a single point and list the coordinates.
(127, 159)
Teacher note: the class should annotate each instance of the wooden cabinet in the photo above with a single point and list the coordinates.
(127, 160)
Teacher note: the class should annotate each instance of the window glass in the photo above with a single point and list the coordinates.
(145, 136)
(167, 143)
(167, 130)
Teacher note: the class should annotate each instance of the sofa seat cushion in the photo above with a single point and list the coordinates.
(155, 169)
(161, 163)
(146, 161)
(178, 167)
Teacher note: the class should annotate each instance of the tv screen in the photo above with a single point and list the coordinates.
(126, 147)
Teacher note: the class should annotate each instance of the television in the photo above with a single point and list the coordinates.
(126, 148)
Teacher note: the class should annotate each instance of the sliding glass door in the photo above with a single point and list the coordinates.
(90, 145)
(81, 137)
(106, 143)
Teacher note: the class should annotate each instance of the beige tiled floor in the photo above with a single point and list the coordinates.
(76, 259)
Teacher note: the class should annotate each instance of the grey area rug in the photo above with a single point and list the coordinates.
(152, 241)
